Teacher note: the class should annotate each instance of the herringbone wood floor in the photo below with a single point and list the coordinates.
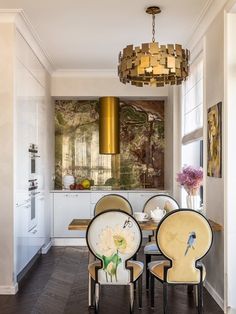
(58, 284)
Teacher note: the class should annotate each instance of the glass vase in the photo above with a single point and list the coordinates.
(193, 201)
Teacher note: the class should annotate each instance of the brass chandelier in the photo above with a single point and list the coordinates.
(153, 64)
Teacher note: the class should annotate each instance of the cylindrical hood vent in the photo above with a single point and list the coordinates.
(109, 125)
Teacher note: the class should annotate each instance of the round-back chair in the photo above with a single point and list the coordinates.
(184, 237)
(163, 201)
(113, 201)
(114, 237)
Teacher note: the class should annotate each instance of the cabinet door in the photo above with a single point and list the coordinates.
(69, 206)
(41, 222)
(21, 135)
(137, 200)
(21, 235)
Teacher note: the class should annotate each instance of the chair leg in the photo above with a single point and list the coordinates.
(152, 290)
(200, 297)
(190, 289)
(90, 291)
(140, 290)
(147, 261)
(97, 297)
(196, 294)
(165, 297)
(131, 292)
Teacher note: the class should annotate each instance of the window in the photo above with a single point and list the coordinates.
(192, 117)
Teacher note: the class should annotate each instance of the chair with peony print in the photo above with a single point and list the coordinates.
(184, 237)
(164, 202)
(114, 237)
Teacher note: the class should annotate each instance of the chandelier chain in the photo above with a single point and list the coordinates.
(153, 28)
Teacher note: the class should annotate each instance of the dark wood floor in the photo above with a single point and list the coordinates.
(58, 284)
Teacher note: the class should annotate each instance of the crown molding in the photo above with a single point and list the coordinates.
(85, 73)
(209, 12)
(25, 28)
(9, 15)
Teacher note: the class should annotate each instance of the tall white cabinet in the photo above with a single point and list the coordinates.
(31, 118)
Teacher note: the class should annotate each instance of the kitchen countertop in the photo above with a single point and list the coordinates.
(110, 191)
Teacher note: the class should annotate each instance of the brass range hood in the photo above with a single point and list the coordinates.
(109, 125)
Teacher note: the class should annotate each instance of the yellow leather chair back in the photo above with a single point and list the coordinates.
(113, 201)
(184, 237)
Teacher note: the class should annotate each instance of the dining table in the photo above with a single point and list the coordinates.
(150, 225)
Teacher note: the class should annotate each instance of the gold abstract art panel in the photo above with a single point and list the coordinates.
(141, 160)
(214, 141)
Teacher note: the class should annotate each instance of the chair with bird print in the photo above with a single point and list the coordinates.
(184, 237)
(163, 201)
(114, 237)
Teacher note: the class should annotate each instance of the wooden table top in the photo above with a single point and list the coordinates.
(82, 224)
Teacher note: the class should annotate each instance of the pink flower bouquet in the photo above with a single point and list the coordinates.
(191, 179)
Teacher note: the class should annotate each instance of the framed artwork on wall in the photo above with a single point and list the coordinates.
(214, 141)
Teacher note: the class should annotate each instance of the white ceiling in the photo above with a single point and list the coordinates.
(89, 34)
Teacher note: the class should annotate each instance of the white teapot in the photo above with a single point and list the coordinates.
(157, 213)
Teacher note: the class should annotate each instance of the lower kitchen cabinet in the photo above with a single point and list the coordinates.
(21, 235)
(28, 242)
(70, 205)
(67, 206)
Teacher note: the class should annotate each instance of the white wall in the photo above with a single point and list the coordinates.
(230, 158)
(214, 187)
(6, 156)
(173, 141)
(96, 84)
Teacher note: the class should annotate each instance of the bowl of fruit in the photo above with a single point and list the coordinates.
(84, 184)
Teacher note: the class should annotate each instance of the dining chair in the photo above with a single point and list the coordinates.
(114, 237)
(163, 201)
(184, 237)
(113, 201)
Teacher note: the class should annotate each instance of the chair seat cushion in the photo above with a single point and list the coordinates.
(137, 268)
(157, 269)
(151, 248)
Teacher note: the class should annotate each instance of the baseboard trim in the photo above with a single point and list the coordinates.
(69, 242)
(9, 289)
(46, 247)
(215, 295)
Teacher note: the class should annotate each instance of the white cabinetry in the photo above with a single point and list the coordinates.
(71, 205)
(21, 235)
(68, 206)
(28, 243)
(41, 219)
(31, 124)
